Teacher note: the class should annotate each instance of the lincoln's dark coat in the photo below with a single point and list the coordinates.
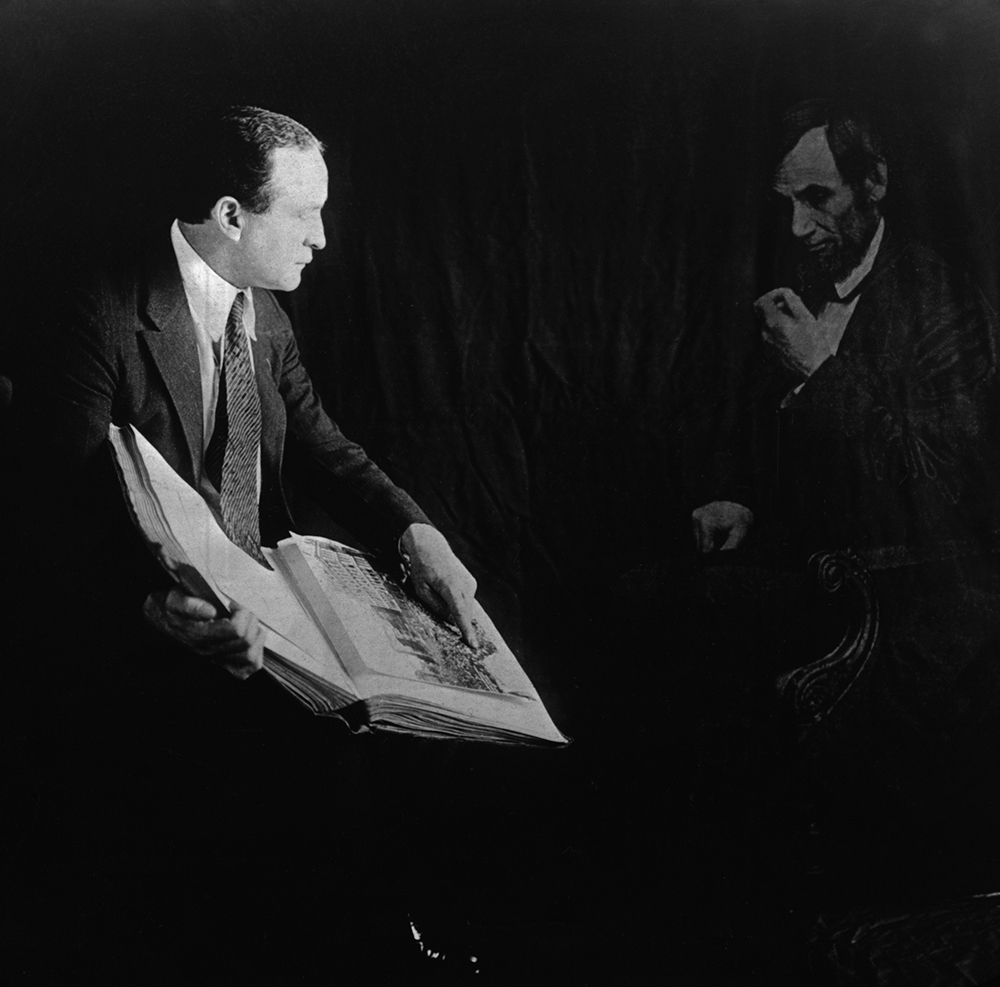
(889, 449)
(890, 441)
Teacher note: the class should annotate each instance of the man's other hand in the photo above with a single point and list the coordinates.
(722, 520)
(439, 578)
(792, 331)
(236, 642)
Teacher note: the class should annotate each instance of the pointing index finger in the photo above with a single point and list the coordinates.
(460, 607)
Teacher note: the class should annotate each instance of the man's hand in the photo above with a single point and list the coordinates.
(791, 329)
(236, 643)
(722, 519)
(439, 579)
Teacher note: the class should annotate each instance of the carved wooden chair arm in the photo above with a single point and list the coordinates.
(815, 689)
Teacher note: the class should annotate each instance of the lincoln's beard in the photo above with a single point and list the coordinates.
(833, 264)
(830, 266)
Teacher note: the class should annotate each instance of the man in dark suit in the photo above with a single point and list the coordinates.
(861, 415)
(157, 758)
(148, 347)
(855, 411)
(861, 418)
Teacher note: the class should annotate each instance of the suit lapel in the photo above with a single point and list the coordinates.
(272, 411)
(873, 302)
(169, 335)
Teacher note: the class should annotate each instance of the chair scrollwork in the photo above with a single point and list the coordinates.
(815, 689)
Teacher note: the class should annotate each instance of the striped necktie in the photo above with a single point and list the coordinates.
(231, 459)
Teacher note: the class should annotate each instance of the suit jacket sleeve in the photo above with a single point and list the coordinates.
(347, 484)
(69, 496)
(72, 378)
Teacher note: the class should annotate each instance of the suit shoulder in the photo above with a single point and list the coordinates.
(928, 292)
(943, 309)
(104, 301)
(924, 274)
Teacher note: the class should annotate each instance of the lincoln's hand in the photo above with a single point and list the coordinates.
(791, 329)
(722, 520)
(235, 642)
(439, 579)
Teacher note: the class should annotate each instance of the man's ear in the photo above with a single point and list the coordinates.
(878, 181)
(229, 217)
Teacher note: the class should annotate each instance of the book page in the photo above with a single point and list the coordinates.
(380, 630)
(186, 536)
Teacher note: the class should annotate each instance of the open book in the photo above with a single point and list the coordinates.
(340, 635)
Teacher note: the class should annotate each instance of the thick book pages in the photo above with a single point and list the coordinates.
(343, 637)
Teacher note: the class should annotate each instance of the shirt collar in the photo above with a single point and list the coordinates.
(209, 295)
(845, 287)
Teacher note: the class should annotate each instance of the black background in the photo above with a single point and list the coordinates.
(543, 216)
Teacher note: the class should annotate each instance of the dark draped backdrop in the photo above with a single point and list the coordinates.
(542, 218)
(544, 215)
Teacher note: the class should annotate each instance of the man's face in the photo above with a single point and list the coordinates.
(275, 246)
(828, 221)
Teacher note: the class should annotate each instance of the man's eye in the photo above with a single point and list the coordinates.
(816, 198)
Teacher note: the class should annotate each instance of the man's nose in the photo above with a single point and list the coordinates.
(317, 237)
(802, 220)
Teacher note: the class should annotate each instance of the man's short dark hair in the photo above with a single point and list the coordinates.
(854, 142)
(230, 154)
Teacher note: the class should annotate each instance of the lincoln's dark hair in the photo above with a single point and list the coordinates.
(854, 142)
(230, 154)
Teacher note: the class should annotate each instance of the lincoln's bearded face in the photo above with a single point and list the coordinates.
(832, 222)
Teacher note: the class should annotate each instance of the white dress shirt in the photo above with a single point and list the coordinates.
(210, 298)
